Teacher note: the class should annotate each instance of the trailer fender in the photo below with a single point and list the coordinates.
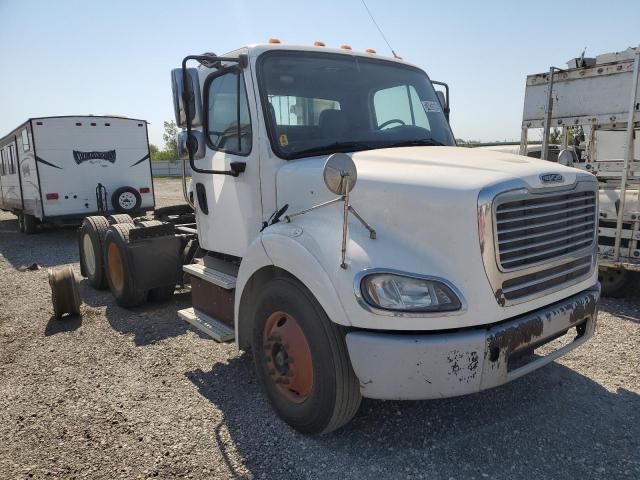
(278, 249)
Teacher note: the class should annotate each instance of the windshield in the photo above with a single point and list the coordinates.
(319, 103)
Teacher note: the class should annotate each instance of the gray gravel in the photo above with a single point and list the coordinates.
(136, 393)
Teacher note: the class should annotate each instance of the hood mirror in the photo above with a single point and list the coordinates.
(195, 104)
(567, 158)
(340, 174)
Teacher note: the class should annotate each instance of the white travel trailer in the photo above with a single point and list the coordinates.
(59, 170)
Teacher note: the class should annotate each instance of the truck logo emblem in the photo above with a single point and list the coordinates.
(81, 157)
(551, 178)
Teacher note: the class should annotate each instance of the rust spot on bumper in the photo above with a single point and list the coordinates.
(512, 337)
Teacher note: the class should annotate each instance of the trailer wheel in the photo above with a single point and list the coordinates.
(91, 242)
(64, 292)
(615, 282)
(119, 218)
(126, 200)
(301, 359)
(119, 267)
(29, 224)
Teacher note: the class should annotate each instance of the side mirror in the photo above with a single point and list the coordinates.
(195, 143)
(567, 158)
(443, 100)
(178, 90)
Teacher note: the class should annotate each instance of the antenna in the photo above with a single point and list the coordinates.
(379, 29)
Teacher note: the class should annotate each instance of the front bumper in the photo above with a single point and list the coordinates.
(398, 366)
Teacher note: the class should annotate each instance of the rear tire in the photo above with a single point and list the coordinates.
(315, 390)
(119, 218)
(119, 266)
(162, 294)
(29, 224)
(91, 246)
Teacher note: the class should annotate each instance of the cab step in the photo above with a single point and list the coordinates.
(216, 329)
(221, 279)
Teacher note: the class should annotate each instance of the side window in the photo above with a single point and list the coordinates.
(397, 106)
(224, 130)
(25, 140)
(3, 167)
(12, 160)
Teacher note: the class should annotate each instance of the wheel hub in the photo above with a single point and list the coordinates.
(288, 357)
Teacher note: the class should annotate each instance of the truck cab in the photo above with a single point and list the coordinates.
(436, 271)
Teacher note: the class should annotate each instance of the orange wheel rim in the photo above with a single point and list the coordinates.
(288, 357)
(114, 260)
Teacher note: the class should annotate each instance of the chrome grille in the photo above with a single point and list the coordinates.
(536, 229)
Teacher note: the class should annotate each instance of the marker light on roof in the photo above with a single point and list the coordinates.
(370, 50)
(344, 46)
(274, 40)
(319, 43)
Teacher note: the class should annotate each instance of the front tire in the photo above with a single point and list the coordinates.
(301, 359)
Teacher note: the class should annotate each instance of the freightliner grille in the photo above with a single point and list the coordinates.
(532, 230)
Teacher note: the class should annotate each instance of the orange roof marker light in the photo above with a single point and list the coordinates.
(370, 50)
(344, 46)
(319, 43)
(274, 40)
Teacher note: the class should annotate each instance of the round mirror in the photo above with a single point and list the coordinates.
(340, 171)
(567, 158)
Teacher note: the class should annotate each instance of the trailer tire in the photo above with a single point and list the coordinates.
(286, 315)
(126, 200)
(615, 282)
(29, 224)
(119, 267)
(119, 218)
(91, 246)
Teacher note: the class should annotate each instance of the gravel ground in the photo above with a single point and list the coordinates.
(137, 393)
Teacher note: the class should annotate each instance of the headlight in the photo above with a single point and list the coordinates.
(408, 294)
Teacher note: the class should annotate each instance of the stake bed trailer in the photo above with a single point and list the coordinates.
(59, 170)
(343, 237)
(602, 96)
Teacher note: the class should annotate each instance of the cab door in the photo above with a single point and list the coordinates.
(229, 211)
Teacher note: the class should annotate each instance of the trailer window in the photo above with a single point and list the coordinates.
(25, 140)
(224, 128)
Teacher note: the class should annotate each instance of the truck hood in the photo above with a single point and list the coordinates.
(423, 204)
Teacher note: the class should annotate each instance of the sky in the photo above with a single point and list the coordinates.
(69, 57)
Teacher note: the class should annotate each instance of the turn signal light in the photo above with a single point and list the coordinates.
(52, 196)
(274, 40)
(145, 190)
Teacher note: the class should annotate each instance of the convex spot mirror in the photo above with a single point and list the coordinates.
(567, 158)
(196, 143)
(195, 104)
(340, 174)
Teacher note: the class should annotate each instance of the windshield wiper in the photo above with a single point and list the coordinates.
(334, 147)
(428, 142)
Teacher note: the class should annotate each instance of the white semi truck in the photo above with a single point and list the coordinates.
(343, 238)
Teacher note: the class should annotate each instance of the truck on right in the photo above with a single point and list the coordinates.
(593, 105)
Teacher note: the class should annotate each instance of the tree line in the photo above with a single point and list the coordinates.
(170, 149)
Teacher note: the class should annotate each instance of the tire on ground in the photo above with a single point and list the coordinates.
(126, 200)
(91, 247)
(65, 296)
(334, 395)
(616, 283)
(119, 266)
(119, 218)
